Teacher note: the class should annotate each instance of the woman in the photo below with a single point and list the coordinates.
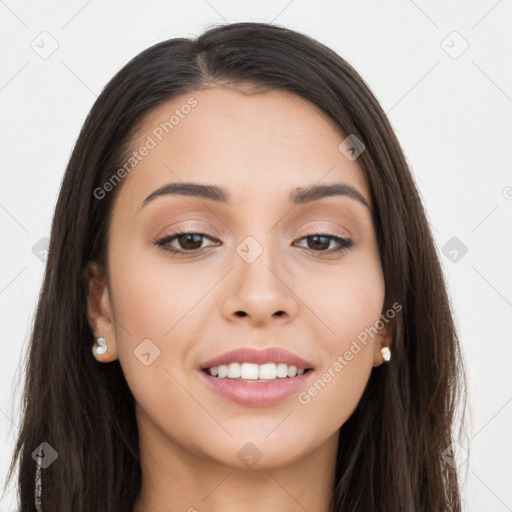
(239, 240)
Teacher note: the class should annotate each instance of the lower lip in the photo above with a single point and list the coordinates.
(257, 394)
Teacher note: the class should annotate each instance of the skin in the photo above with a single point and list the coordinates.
(259, 147)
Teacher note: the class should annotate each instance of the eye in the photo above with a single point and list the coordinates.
(320, 242)
(188, 242)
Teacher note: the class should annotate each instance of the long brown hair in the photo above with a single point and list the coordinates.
(392, 449)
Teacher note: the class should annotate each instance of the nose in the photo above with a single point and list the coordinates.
(259, 293)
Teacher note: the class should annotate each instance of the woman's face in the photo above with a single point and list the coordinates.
(257, 278)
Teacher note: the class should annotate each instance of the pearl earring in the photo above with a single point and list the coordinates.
(386, 353)
(99, 348)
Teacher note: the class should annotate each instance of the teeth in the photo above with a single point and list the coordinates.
(251, 371)
(282, 370)
(267, 371)
(234, 371)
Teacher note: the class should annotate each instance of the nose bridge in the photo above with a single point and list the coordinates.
(260, 245)
(258, 286)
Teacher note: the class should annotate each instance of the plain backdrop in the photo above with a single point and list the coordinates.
(442, 72)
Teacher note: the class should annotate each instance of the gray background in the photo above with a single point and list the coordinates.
(442, 72)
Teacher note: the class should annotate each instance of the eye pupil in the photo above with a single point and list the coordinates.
(185, 239)
(323, 245)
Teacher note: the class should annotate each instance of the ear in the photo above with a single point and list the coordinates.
(382, 339)
(99, 309)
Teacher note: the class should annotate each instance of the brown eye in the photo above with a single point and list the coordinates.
(185, 243)
(320, 242)
(190, 241)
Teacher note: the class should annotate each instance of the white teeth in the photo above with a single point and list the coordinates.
(267, 371)
(282, 370)
(251, 371)
(234, 371)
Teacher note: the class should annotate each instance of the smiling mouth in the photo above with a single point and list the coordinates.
(257, 385)
(251, 372)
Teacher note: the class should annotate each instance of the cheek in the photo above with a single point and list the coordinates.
(159, 309)
(346, 300)
(347, 316)
(155, 317)
(151, 296)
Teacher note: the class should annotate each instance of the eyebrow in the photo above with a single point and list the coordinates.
(298, 196)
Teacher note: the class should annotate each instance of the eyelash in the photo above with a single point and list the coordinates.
(346, 243)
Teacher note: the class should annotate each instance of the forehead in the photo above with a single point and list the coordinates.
(259, 146)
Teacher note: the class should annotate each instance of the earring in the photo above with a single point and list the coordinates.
(38, 485)
(386, 353)
(99, 348)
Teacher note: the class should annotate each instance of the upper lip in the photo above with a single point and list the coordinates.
(249, 355)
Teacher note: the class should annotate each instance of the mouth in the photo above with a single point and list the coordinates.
(256, 392)
(252, 372)
(256, 378)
